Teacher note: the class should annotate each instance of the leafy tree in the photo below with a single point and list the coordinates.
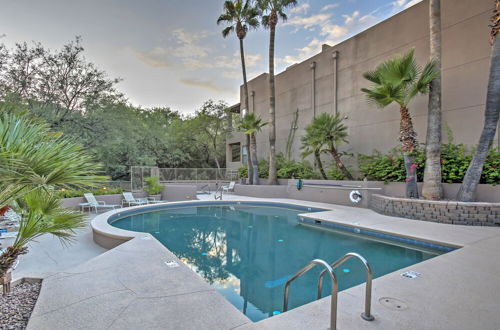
(251, 124)
(240, 16)
(399, 80)
(432, 187)
(271, 12)
(468, 188)
(63, 80)
(212, 121)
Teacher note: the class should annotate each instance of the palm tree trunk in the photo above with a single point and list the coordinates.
(339, 163)
(9, 256)
(409, 145)
(467, 190)
(432, 187)
(317, 156)
(253, 147)
(273, 177)
(245, 90)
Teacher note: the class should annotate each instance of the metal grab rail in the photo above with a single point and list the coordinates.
(366, 315)
(329, 269)
(219, 190)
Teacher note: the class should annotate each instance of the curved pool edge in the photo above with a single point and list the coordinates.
(108, 236)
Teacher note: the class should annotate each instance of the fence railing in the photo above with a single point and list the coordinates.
(139, 173)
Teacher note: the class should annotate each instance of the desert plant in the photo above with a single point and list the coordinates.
(272, 11)
(33, 163)
(468, 188)
(399, 80)
(153, 186)
(251, 124)
(324, 134)
(41, 213)
(432, 187)
(241, 16)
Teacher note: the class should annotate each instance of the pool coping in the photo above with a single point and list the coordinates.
(474, 241)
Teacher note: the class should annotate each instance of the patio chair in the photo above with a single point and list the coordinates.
(230, 187)
(95, 204)
(128, 198)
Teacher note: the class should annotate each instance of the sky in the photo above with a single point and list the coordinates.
(171, 53)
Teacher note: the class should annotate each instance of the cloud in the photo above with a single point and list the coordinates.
(330, 6)
(330, 33)
(223, 62)
(157, 57)
(309, 21)
(303, 8)
(403, 4)
(183, 46)
(201, 83)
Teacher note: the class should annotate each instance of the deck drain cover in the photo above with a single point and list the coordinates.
(411, 274)
(171, 263)
(393, 303)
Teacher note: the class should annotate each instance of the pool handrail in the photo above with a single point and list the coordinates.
(329, 270)
(366, 315)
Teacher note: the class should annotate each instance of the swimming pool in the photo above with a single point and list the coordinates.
(247, 251)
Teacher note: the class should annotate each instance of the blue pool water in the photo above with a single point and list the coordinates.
(248, 252)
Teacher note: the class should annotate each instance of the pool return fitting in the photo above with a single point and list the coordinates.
(366, 315)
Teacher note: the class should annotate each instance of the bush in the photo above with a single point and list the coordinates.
(455, 159)
(334, 173)
(68, 193)
(297, 170)
(153, 185)
(243, 172)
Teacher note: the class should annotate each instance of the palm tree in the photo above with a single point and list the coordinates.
(467, 190)
(251, 124)
(41, 213)
(313, 144)
(432, 187)
(399, 80)
(328, 130)
(271, 11)
(240, 16)
(32, 157)
(34, 162)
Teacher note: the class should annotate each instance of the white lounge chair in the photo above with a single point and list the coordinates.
(95, 204)
(128, 198)
(230, 187)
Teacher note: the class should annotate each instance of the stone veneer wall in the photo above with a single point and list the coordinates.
(459, 213)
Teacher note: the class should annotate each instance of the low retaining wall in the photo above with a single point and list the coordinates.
(451, 212)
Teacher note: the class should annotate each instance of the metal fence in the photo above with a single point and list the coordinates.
(194, 175)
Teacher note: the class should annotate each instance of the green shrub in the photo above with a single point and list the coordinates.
(68, 193)
(334, 173)
(455, 159)
(153, 186)
(297, 170)
(243, 172)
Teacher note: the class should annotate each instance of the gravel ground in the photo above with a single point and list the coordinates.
(16, 307)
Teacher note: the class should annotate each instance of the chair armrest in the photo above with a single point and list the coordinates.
(101, 202)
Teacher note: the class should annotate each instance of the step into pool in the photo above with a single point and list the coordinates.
(247, 252)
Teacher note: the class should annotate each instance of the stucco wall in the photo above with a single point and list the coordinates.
(466, 54)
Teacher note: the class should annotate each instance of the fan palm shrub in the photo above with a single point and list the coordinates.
(324, 134)
(399, 80)
(312, 144)
(240, 16)
(34, 163)
(271, 12)
(251, 124)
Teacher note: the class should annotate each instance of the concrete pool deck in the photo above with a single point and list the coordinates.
(116, 289)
